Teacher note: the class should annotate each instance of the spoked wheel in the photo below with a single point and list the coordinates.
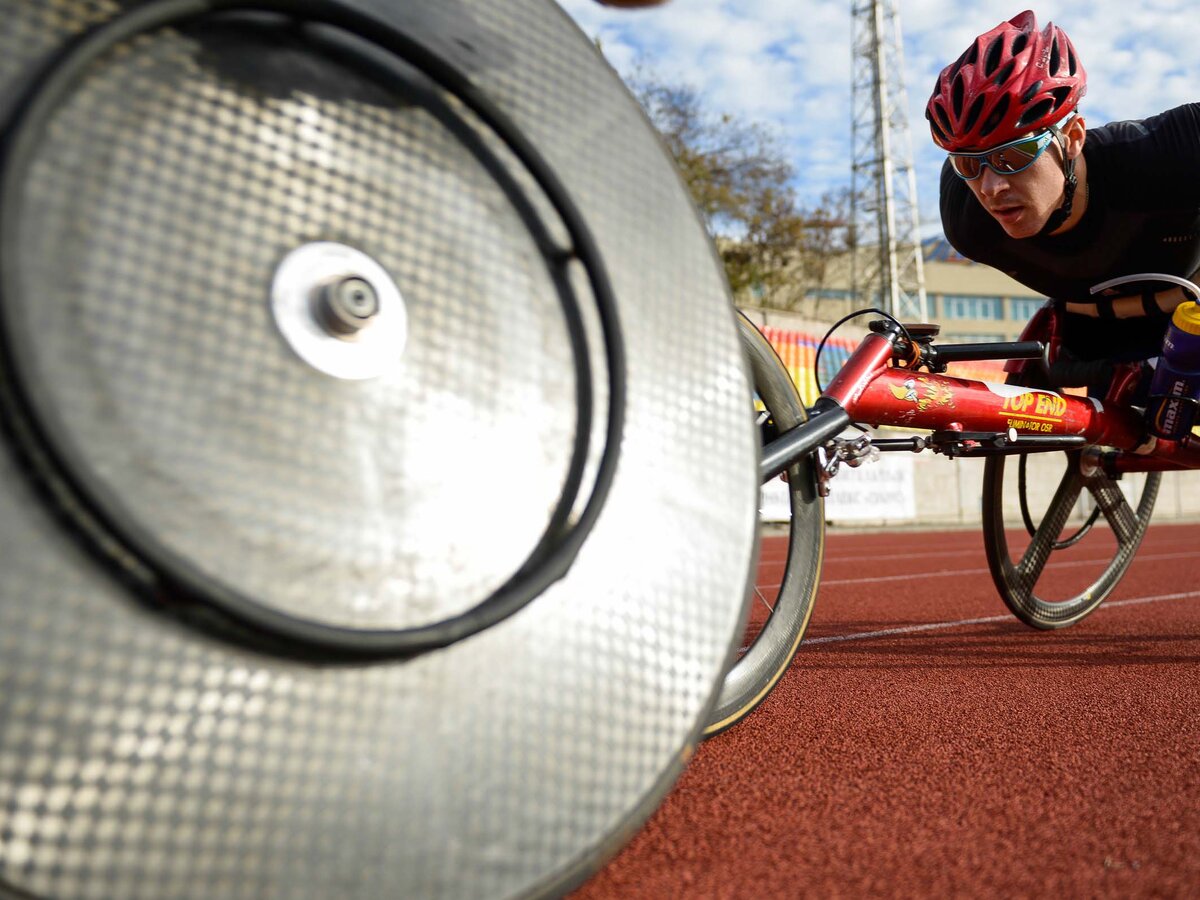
(1068, 567)
(786, 587)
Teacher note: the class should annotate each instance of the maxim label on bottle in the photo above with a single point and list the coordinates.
(1169, 417)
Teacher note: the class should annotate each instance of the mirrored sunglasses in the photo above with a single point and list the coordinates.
(1007, 159)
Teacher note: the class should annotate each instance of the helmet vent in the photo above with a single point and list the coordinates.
(1072, 64)
(1060, 95)
(1002, 75)
(973, 114)
(1035, 112)
(995, 117)
(1031, 92)
(991, 60)
(1019, 43)
(943, 119)
(1055, 57)
(956, 95)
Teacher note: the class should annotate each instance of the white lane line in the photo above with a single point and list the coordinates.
(948, 572)
(922, 554)
(941, 573)
(913, 629)
(930, 554)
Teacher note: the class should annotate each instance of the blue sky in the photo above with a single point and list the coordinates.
(786, 64)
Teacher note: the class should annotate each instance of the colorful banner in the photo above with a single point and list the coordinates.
(798, 351)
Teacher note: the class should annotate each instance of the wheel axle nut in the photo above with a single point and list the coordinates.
(348, 306)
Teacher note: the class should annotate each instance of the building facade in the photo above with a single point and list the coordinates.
(971, 302)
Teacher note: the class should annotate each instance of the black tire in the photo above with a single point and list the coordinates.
(1080, 585)
(768, 653)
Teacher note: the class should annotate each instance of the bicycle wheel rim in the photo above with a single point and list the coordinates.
(1026, 584)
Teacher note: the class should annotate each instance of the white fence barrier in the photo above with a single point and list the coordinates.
(879, 491)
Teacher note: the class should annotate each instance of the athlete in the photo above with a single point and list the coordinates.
(1028, 189)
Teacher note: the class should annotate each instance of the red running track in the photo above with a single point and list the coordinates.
(924, 743)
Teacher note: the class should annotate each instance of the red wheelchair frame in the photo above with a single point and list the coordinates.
(895, 378)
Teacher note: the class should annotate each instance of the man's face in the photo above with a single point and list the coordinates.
(1022, 202)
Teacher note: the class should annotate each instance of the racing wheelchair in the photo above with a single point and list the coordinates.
(897, 376)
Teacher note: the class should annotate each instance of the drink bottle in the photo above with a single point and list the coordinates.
(1175, 388)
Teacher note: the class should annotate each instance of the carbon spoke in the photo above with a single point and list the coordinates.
(1116, 509)
(1039, 549)
(762, 597)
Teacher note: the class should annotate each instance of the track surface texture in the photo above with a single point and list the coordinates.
(925, 743)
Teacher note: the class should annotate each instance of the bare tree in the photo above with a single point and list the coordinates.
(775, 253)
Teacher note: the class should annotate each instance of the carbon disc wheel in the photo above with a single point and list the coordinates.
(784, 590)
(1067, 567)
(306, 352)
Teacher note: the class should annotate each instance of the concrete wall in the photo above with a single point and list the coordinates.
(949, 492)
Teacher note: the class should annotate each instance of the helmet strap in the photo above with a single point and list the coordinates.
(1060, 215)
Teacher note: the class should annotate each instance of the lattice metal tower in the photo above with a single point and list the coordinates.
(886, 258)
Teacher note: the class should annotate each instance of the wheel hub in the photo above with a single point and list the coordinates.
(340, 311)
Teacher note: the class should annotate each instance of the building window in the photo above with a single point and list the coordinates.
(960, 337)
(1023, 308)
(958, 306)
(830, 294)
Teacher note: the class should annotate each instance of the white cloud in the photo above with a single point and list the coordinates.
(787, 65)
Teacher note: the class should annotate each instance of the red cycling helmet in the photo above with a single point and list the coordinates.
(1012, 80)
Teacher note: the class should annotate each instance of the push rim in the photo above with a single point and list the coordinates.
(766, 653)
